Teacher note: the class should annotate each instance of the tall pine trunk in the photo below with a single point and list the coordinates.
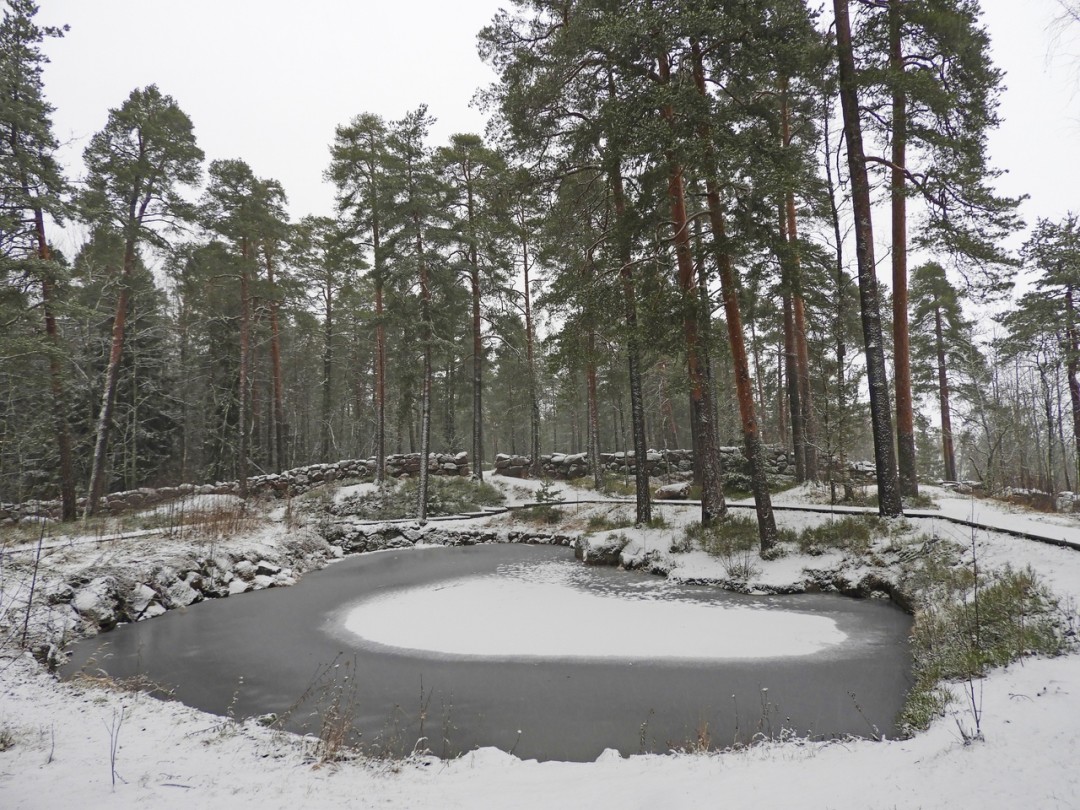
(947, 451)
(425, 393)
(802, 349)
(478, 356)
(245, 370)
(791, 361)
(752, 444)
(112, 377)
(713, 505)
(380, 357)
(642, 496)
(328, 370)
(838, 464)
(729, 291)
(905, 413)
(808, 456)
(593, 406)
(889, 504)
(56, 379)
(275, 365)
(535, 469)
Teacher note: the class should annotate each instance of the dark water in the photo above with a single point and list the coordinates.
(284, 651)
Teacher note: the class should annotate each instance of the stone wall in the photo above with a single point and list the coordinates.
(354, 536)
(279, 485)
(673, 464)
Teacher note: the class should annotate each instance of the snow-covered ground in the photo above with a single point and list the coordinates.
(67, 740)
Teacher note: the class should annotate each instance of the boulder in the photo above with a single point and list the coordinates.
(673, 492)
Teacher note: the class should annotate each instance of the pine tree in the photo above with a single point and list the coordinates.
(476, 180)
(135, 166)
(244, 210)
(559, 102)
(877, 379)
(360, 163)
(929, 62)
(418, 207)
(328, 262)
(940, 339)
(33, 187)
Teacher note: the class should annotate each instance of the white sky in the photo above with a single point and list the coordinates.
(267, 80)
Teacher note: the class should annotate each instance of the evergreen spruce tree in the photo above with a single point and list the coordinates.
(33, 187)
(1053, 251)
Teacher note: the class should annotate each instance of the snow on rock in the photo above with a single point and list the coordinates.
(96, 602)
(267, 569)
(604, 548)
(263, 581)
(673, 492)
(144, 603)
(238, 586)
(181, 594)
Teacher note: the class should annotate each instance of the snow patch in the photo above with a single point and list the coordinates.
(511, 617)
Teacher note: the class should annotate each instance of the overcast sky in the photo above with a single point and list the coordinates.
(268, 80)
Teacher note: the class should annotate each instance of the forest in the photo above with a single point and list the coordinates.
(670, 236)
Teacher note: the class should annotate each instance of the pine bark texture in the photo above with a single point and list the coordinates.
(275, 366)
(729, 291)
(108, 394)
(68, 511)
(947, 450)
(905, 412)
(1073, 367)
(328, 371)
(425, 395)
(889, 504)
(535, 469)
(477, 352)
(642, 494)
(713, 505)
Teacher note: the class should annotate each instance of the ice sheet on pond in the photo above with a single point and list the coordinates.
(546, 611)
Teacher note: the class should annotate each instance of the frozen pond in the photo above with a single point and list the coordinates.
(523, 648)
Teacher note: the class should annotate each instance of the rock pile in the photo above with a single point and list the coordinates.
(99, 599)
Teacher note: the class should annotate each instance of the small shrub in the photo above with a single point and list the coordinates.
(737, 484)
(446, 496)
(734, 541)
(658, 522)
(547, 493)
(958, 636)
(852, 533)
(541, 513)
(602, 523)
(919, 501)
(621, 485)
(7, 738)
